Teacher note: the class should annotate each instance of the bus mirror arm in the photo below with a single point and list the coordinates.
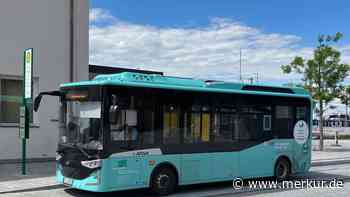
(37, 99)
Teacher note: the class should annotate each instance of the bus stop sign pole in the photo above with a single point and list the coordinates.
(26, 106)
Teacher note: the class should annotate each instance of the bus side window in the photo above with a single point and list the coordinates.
(254, 122)
(267, 123)
(197, 124)
(118, 127)
(301, 113)
(147, 127)
(284, 123)
(125, 128)
(224, 124)
(171, 118)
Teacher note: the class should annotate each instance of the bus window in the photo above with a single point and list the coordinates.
(284, 121)
(254, 122)
(147, 127)
(125, 128)
(171, 124)
(197, 123)
(301, 113)
(267, 123)
(205, 126)
(224, 122)
(195, 132)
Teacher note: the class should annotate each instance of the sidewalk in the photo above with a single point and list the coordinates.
(331, 154)
(39, 175)
(42, 175)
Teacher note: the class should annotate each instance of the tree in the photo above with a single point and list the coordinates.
(345, 98)
(321, 74)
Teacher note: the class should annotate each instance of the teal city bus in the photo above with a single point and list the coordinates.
(130, 130)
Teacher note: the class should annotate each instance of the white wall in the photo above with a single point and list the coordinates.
(45, 26)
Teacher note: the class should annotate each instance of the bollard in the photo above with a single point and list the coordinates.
(336, 138)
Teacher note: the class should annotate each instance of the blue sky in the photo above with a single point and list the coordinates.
(202, 38)
(303, 18)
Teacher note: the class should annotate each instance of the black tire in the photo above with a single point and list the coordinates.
(163, 181)
(282, 169)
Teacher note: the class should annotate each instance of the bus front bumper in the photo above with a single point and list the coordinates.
(92, 183)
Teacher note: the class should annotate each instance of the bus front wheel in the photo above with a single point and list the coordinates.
(163, 181)
(282, 169)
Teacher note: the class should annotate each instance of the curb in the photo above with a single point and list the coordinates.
(330, 162)
(29, 184)
(30, 160)
(47, 187)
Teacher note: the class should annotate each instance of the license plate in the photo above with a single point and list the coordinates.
(67, 181)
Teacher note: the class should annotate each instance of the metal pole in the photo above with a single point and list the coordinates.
(240, 64)
(336, 138)
(24, 140)
(27, 95)
(25, 114)
(71, 41)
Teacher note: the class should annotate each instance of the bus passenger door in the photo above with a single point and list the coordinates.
(127, 165)
(225, 161)
(196, 162)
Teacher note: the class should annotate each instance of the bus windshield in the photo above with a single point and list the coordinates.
(82, 124)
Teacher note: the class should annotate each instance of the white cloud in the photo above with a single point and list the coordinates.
(206, 52)
(98, 14)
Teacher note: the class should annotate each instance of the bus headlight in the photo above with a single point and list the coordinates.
(92, 164)
(58, 156)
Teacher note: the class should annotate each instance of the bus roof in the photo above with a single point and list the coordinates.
(189, 84)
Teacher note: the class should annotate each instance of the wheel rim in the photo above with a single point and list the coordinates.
(163, 181)
(282, 170)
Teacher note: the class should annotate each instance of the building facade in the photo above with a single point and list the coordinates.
(95, 70)
(58, 31)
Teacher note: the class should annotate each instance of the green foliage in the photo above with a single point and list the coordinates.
(323, 73)
(345, 95)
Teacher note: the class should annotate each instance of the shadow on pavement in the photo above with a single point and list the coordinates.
(34, 189)
(337, 150)
(210, 189)
(12, 171)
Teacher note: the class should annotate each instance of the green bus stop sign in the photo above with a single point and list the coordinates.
(25, 108)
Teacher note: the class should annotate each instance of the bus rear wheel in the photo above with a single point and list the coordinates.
(163, 181)
(282, 169)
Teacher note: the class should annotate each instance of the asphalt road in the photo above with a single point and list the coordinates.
(341, 172)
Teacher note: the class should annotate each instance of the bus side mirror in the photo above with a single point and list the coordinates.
(38, 98)
(37, 102)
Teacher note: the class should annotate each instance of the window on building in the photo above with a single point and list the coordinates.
(10, 100)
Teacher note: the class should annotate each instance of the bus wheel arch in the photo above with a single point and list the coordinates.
(164, 168)
(282, 162)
